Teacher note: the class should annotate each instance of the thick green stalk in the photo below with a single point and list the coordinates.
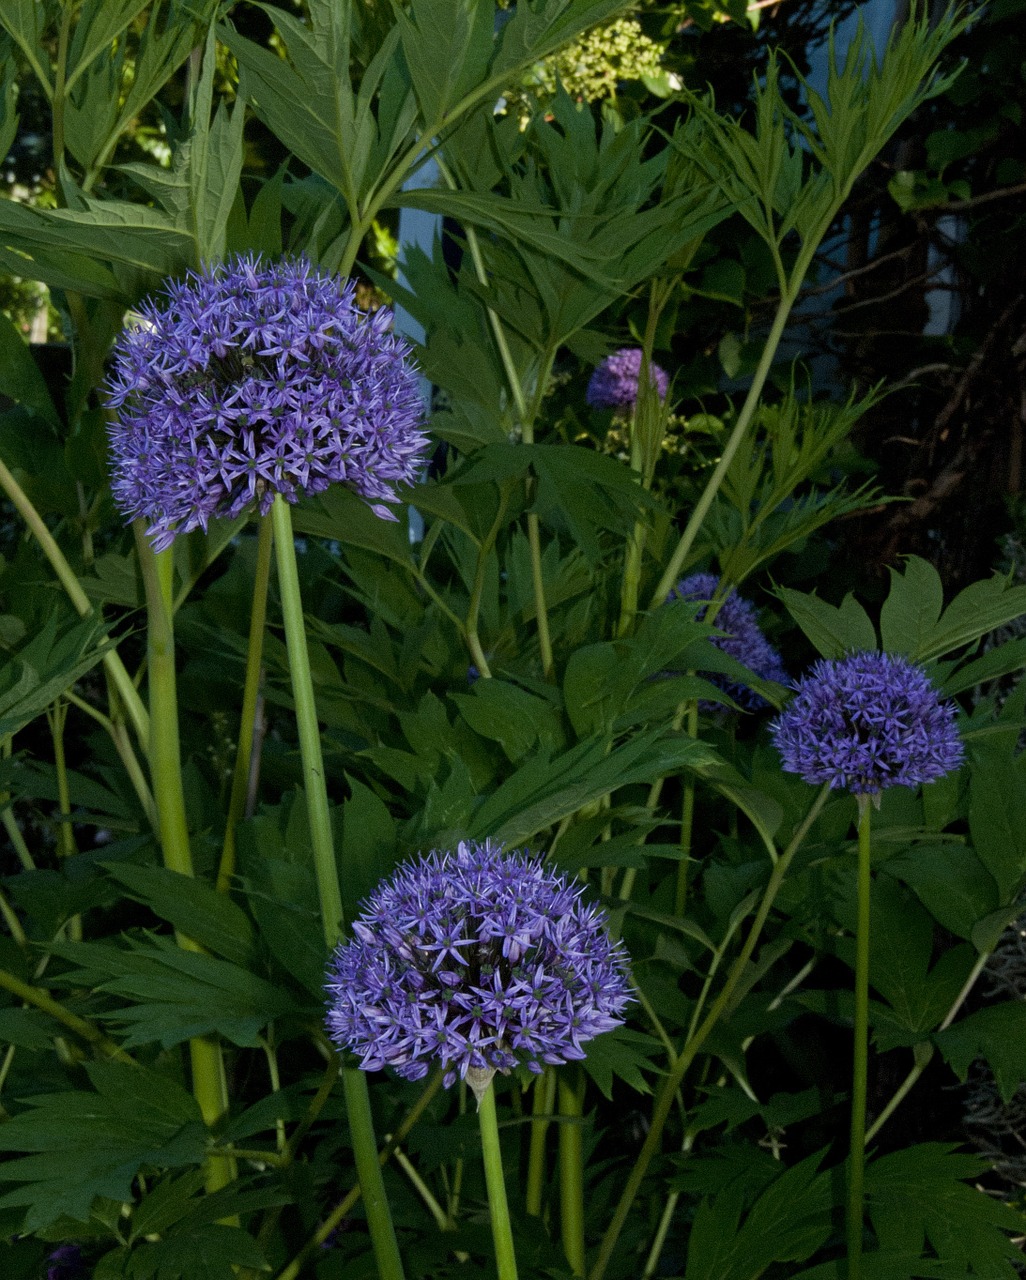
(66, 576)
(571, 1172)
(860, 1052)
(544, 1090)
(672, 1080)
(166, 770)
(502, 1232)
(354, 1082)
(250, 697)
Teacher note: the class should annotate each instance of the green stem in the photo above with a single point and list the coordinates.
(118, 735)
(11, 920)
(477, 591)
(354, 1082)
(65, 575)
(922, 1053)
(250, 697)
(166, 769)
(502, 1232)
(314, 783)
(544, 1090)
(345, 1206)
(669, 1209)
(571, 1172)
(687, 540)
(672, 1080)
(860, 1054)
(687, 821)
(43, 1000)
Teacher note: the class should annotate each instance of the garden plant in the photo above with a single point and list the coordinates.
(454, 824)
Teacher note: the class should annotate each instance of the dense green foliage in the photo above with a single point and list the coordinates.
(494, 664)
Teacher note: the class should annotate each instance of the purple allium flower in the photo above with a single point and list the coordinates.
(251, 379)
(744, 639)
(477, 959)
(614, 383)
(866, 722)
(65, 1263)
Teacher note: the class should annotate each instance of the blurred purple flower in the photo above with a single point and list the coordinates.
(251, 379)
(744, 639)
(866, 722)
(478, 960)
(614, 383)
(65, 1263)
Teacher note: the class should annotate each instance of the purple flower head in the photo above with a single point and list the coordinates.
(65, 1263)
(251, 379)
(477, 959)
(866, 722)
(743, 640)
(614, 384)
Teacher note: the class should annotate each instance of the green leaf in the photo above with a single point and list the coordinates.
(912, 608)
(997, 1034)
(624, 1055)
(27, 1028)
(20, 376)
(992, 665)
(787, 1223)
(211, 1252)
(99, 24)
(997, 814)
(176, 994)
(215, 151)
(833, 631)
(305, 99)
(447, 45)
(950, 881)
(511, 716)
(547, 789)
(980, 608)
(283, 899)
(921, 1194)
(93, 1144)
(44, 667)
(195, 908)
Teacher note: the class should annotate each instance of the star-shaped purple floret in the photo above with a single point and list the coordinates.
(478, 959)
(250, 379)
(867, 722)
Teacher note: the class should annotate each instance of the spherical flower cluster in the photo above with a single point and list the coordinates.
(251, 379)
(614, 384)
(477, 959)
(743, 640)
(866, 722)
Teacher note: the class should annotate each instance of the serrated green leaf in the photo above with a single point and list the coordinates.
(547, 789)
(90, 1144)
(193, 907)
(996, 1034)
(176, 994)
(950, 881)
(980, 608)
(833, 631)
(921, 1194)
(622, 1055)
(913, 606)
